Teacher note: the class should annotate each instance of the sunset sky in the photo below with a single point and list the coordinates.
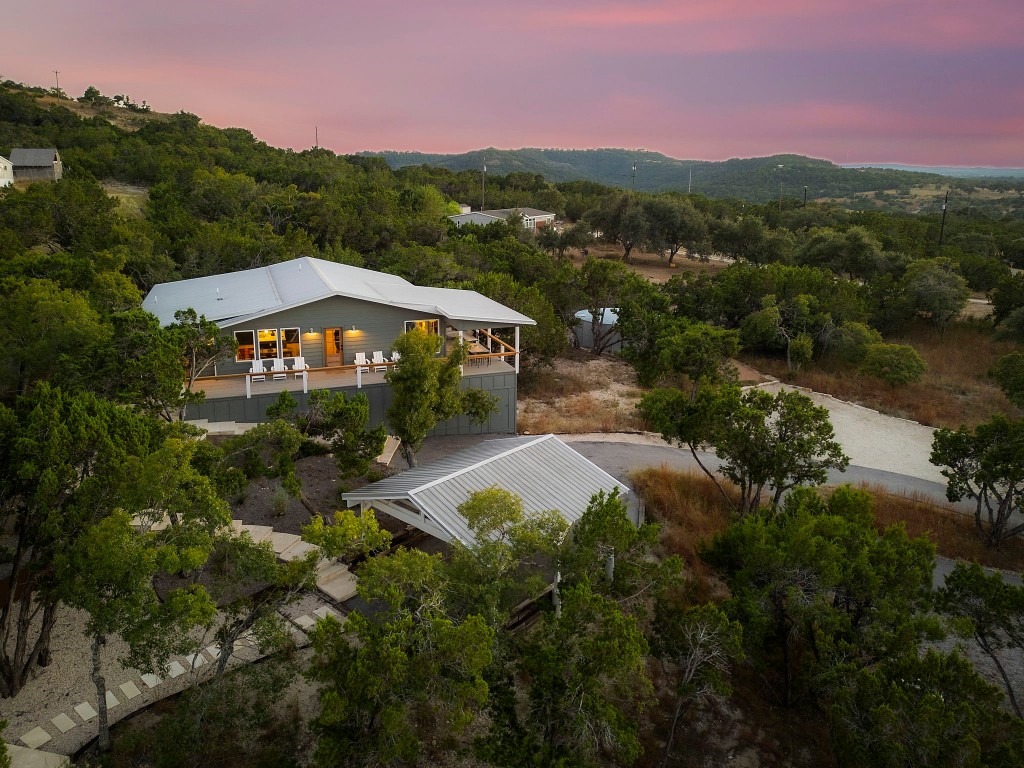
(931, 82)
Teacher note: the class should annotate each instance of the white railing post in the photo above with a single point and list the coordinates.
(305, 382)
(517, 349)
(248, 386)
(359, 377)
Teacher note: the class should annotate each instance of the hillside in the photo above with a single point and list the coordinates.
(756, 179)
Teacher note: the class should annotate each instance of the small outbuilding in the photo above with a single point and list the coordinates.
(35, 164)
(540, 469)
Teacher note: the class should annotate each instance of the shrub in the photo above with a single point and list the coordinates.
(894, 364)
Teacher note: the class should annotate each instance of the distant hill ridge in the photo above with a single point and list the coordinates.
(755, 178)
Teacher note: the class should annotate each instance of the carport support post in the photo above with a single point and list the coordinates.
(556, 598)
(517, 349)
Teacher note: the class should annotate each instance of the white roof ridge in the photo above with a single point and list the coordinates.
(316, 268)
(478, 464)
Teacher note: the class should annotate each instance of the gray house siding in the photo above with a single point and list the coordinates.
(254, 409)
(377, 327)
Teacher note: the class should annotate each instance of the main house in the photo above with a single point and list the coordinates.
(37, 164)
(533, 218)
(314, 324)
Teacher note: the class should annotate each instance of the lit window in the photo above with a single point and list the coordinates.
(246, 345)
(268, 343)
(427, 326)
(290, 342)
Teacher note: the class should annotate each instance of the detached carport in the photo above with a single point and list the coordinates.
(542, 470)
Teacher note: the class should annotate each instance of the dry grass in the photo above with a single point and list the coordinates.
(952, 532)
(579, 414)
(955, 391)
(581, 393)
(691, 512)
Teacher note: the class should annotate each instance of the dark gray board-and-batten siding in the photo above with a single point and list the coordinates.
(377, 327)
(254, 409)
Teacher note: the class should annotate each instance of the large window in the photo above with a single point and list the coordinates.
(268, 343)
(290, 346)
(246, 341)
(427, 326)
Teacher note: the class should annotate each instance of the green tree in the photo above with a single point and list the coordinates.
(985, 465)
(930, 710)
(585, 686)
(620, 219)
(1008, 372)
(993, 611)
(781, 441)
(143, 365)
(108, 572)
(788, 324)
(341, 421)
(506, 564)
(385, 676)
(426, 390)
(701, 352)
(819, 592)
(935, 289)
(201, 344)
(895, 364)
(48, 333)
(674, 224)
(66, 463)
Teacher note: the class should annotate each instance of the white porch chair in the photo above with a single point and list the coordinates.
(361, 361)
(257, 373)
(300, 367)
(379, 363)
(279, 371)
(395, 357)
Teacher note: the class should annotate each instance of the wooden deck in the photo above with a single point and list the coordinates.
(220, 387)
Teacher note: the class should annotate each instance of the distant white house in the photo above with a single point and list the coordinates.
(6, 172)
(479, 218)
(533, 219)
(463, 208)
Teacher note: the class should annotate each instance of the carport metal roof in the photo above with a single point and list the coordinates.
(542, 470)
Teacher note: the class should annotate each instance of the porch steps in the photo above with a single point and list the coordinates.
(390, 446)
(221, 428)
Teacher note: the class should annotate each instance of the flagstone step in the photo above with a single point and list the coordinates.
(297, 550)
(280, 541)
(258, 532)
(337, 582)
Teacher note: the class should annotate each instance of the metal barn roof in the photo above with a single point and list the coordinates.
(235, 297)
(33, 158)
(506, 212)
(542, 470)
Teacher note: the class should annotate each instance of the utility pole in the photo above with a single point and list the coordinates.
(316, 137)
(634, 175)
(689, 182)
(942, 227)
(780, 197)
(483, 187)
(805, 196)
(56, 77)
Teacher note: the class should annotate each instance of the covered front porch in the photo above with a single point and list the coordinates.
(248, 385)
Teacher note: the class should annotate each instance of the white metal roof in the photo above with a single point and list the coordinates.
(235, 297)
(542, 470)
